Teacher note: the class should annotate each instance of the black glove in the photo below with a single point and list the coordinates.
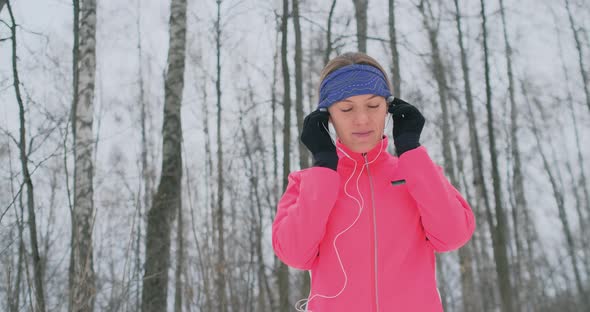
(315, 136)
(407, 125)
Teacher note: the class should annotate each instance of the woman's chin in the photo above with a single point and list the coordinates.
(362, 146)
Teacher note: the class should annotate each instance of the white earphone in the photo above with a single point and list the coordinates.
(301, 305)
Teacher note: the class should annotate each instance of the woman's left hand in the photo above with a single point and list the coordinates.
(407, 125)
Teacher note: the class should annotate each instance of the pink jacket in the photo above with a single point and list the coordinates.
(368, 232)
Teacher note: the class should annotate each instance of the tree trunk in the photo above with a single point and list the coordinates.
(27, 181)
(395, 71)
(168, 195)
(328, 50)
(257, 219)
(303, 153)
(481, 195)
(520, 203)
(14, 294)
(75, 82)
(146, 176)
(220, 266)
(303, 163)
(360, 14)
(283, 272)
(560, 202)
(438, 72)
(581, 183)
(82, 287)
(178, 289)
(500, 230)
(580, 53)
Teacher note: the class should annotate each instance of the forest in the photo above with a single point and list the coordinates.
(144, 145)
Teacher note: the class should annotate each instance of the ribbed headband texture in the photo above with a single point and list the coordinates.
(350, 80)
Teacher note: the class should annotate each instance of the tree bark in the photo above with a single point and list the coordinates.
(145, 172)
(520, 203)
(178, 289)
(303, 153)
(220, 266)
(82, 287)
(360, 13)
(395, 70)
(283, 272)
(168, 195)
(328, 50)
(14, 294)
(500, 230)
(27, 181)
(580, 53)
(75, 82)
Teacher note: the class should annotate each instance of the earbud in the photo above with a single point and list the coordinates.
(390, 99)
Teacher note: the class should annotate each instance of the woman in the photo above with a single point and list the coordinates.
(367, 224)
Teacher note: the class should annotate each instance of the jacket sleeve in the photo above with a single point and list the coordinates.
(446, 216)
(302, 213)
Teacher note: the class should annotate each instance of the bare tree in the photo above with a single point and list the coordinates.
(147, 177)
(82, 279)
(395, 71)
(328, 50)
(558, 195)
(520, 203)
(283, 272)
(303, 153)
(481, 193)
(437, 69)
(499, 231)
(168, 195)
(360, 13)
(580, 53)
(577, 182)
(220, 266)
(27, 180)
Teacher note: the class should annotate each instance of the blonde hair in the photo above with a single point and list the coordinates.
(350, 58)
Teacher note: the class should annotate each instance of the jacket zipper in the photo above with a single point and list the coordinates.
(375, 271)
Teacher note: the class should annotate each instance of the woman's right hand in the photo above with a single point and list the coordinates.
(316, 138)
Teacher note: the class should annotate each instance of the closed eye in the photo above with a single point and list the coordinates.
(346, 110)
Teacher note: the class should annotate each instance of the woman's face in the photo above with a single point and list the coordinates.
(359, 121)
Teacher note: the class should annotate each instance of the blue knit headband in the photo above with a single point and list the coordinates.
(350, 80)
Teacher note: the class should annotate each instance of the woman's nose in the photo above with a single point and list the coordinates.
(361, 118)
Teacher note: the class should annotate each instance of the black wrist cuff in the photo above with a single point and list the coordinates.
(406, 142)
(326, 159)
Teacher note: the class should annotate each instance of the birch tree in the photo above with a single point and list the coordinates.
(82, 280)
(167, 199)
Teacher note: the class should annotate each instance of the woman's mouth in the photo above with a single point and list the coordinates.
(362, 134)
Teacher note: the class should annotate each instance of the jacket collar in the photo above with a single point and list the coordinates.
(377, 154)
